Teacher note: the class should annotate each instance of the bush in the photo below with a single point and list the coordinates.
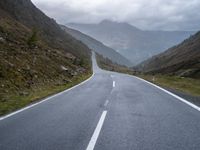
(32, 40)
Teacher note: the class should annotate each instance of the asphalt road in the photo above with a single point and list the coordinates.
(110, 111)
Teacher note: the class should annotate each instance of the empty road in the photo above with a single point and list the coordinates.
(110, 111)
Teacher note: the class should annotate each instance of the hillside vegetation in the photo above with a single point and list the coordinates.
(36, 57)
(186, 85)
(107, 64)
(181, 60)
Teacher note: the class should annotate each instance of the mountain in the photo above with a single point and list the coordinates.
(182, 60)
(98, 47)
(133, 43)
(36, 57)
(26, 13)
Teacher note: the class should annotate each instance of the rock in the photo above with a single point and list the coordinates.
(49, 51)
(10, 64)
(34, 59)
(74, 73)
(64, 68)
(28, 67)
(67, 81)
(81, 70)
(70, 56)
(2, 39)
(23, 93)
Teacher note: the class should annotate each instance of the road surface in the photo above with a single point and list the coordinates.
(110, 111)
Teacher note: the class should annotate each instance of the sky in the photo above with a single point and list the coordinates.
(144, 14)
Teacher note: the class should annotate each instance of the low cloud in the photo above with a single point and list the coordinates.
(145, 14)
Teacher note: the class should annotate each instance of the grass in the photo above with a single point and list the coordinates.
(189, 86)
(186, 85)
(17, 101)
(107, 64)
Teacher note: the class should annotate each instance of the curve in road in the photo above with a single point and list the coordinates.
(111, 111)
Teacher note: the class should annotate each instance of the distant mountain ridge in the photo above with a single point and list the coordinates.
(98, 47)
(133, 43)
(181, 60)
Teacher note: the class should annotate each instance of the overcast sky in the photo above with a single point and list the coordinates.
(145, 14)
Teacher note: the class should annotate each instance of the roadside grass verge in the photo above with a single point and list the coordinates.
(17, 101)
(186, 85)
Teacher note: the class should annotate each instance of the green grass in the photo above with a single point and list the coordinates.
(189, 86)
(186, 85)
(17, 101)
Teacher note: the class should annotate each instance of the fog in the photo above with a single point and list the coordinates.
(145, 14)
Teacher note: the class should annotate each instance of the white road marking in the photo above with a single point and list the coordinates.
(97, 131)
(106, 103)
(172, 94)
(46, 99)
(113, 83)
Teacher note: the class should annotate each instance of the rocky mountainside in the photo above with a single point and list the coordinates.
(182, 60)
(98, 47)
(36, 57)
(26, 13)
(133, 43)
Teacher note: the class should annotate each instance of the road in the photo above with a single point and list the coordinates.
(110, 111)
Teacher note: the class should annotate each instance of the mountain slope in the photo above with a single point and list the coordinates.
(36, 57)
(29, 15)
(183, 59)
(98, 47)
(133, 43)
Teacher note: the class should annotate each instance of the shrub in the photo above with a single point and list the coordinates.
(32, 40)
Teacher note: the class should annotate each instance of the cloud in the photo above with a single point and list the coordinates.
(145, 14)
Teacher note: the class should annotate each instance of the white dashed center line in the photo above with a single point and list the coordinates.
(96, 133)
(113, 83)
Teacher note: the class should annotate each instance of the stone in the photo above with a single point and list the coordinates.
(2, 39)
(64, 68)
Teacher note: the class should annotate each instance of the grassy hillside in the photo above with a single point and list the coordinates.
(107, 64)
(187, 85)
(31, 67)
(181, 60)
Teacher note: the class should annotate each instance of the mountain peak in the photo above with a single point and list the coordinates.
(117, 24)
(106, 21)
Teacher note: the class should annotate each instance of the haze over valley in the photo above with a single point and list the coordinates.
(131, 42)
